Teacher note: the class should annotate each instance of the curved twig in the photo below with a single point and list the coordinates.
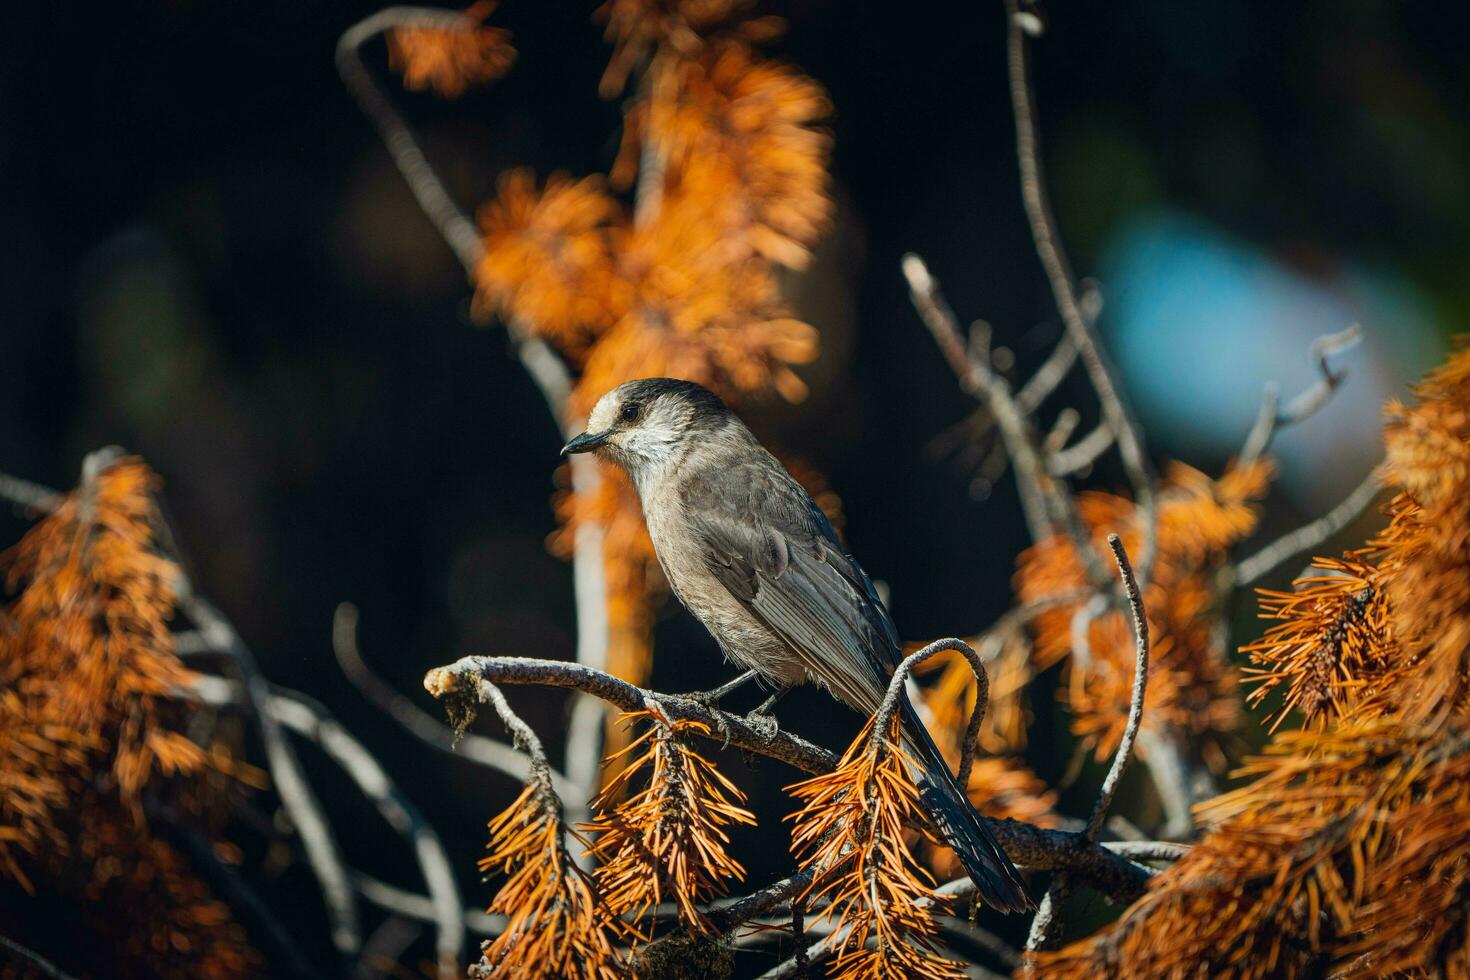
(479, 749)
(1046, 922)
(297, 797)
(1124, 754)
(301, 715)
(547, 370)
(1271, 419)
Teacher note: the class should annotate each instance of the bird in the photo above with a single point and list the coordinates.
(749, 553)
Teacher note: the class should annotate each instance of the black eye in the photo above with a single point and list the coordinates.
(630, 412)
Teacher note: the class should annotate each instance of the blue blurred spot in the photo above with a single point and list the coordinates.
(1199, 322)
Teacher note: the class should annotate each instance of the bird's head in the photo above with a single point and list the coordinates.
(643, 425)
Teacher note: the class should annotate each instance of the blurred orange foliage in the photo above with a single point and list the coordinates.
(1346, 852)
(93, 697)
(448, 59)
(1191, 685)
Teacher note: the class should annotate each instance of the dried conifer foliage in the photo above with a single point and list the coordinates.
(91, 712)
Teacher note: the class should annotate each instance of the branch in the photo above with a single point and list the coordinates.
(428, 189)
(584, 738)
(1058, 271)
(421, 907)
(297, 797)
(479, 749)
(1028, 846)
(1083, 453)
(464, 676)
(1046, 504)
(883, 719)
(311, 720)
(1271, 420)
(1046, 922)
(1048, 376)
(1124, 754)
(32, 959)
(978, 380)
(1250, 570)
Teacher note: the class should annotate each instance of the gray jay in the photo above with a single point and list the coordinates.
(750, 554)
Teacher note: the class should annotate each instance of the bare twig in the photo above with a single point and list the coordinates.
(1250, 570)
(1058, 271)
(898, 689)
(1271, 419)
(1048, 376)
(301, 715)
(32, 959)
(1148, 850)
(421, 907)
(1083, 453)
(1046, 922)
(297, 797)
(428, 189)
(1124, 754)
(1045, 503)
(584, 738)
(27, 496)
(488, 752)
(978, 380)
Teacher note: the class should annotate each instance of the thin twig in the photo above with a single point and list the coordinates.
(547, 370)
(1250, 570)
(1047, 377)
(1058, 271)
(297, 797)
(29, 497)
(480, 749)
(1271, 419)
(33, 959)
(1124, 753)
(978, 380)
(421, 907)
(305, 717)
(403, 146)
(1045, 503)
(1082, 453)
(1047, 920)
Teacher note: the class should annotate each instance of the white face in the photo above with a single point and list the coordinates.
(642, 435)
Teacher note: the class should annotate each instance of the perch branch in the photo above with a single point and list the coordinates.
(1028, 846)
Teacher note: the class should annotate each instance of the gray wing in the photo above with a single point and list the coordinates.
(770, 545)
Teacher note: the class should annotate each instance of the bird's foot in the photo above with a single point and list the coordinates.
(764, 722)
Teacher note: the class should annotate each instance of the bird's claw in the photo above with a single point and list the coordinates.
(709, 701)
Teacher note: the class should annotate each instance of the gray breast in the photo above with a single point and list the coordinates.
(742, 638)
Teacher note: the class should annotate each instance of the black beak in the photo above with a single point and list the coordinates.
(584, 443)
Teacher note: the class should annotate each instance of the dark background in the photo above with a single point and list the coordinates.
(208, 259)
